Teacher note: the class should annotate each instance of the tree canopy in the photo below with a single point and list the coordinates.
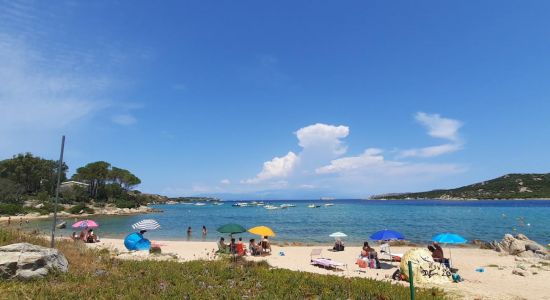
(106, 181)
(33, 174)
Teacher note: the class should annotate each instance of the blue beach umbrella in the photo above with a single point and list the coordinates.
(136, 241)
(449, 238)
(386, 235)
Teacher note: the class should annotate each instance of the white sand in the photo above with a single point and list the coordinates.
(494, 283)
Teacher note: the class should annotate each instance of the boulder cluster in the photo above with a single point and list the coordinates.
(28, 261)
(520, 246)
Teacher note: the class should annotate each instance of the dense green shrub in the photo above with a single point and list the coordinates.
(81, 207)
(121, 203)
(11, 209)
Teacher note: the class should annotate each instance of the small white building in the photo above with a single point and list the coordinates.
(71, 184)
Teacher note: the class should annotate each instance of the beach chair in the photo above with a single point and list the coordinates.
(362, 265)
(266, 247)
(240, 250)
(385, 251)
(314, 252)
(328, 263)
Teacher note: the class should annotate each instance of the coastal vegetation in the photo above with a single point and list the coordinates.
(94, 274)
(511, 186)
(28, 183)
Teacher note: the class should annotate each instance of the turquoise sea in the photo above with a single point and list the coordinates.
(418, 220)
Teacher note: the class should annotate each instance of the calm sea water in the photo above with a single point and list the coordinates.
(418, 220)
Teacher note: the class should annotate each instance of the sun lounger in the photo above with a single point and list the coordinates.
(328, 263)
(385, 253)
(315, 252)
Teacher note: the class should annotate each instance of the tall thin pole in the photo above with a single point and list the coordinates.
(59, 170)
(411, 279)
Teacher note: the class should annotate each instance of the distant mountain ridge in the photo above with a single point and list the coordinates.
(510, 186)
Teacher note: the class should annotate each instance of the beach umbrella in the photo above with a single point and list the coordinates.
(85, 224)
(338, 235)
(262, 230)
(449, 238)
(136, 241)
(148, 224)
(386, 235)
(231, 229)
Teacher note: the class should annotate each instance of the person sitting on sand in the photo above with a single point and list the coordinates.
(265, 245)
(366, 250)
(437, 253)
(91, 238)
(233, 246)
(255, 249)
(74, 236)
(222, 246)
(83, 234)
(338, 245)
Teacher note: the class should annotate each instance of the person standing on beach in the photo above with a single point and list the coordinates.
(9, 221)
(20, 221)
(189, 233)
(204, 231)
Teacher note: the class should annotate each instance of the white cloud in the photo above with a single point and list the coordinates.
(225, 181)
(322, 166)
(431, 151)
(323, 136)
(370, 157)
(124, 119)
(373, 163)
(278, 167)
(438, 127)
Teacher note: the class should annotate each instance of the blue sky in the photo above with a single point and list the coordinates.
(293, 99)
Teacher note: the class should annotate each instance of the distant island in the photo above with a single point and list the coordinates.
(510, 186)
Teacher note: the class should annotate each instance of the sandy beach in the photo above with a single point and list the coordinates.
(496, 282)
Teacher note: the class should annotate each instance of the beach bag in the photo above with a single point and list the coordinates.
(397, 275)
(372, 263)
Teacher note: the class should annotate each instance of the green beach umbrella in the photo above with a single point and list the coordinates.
(231, 229)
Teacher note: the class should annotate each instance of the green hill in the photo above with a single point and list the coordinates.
(511, 186)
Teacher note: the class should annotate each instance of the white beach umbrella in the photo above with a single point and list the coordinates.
(338, 235)
(148, 224)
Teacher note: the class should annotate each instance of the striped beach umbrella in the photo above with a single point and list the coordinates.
(85, 224)
(148, 224)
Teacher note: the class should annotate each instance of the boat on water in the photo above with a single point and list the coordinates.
(329, 204)
(271, 207)
(200, 204)
(61, 225)
(313, 206)
(240, 204)
(285, 205)
(217, 203)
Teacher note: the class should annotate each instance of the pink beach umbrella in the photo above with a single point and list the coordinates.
(85, 223)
